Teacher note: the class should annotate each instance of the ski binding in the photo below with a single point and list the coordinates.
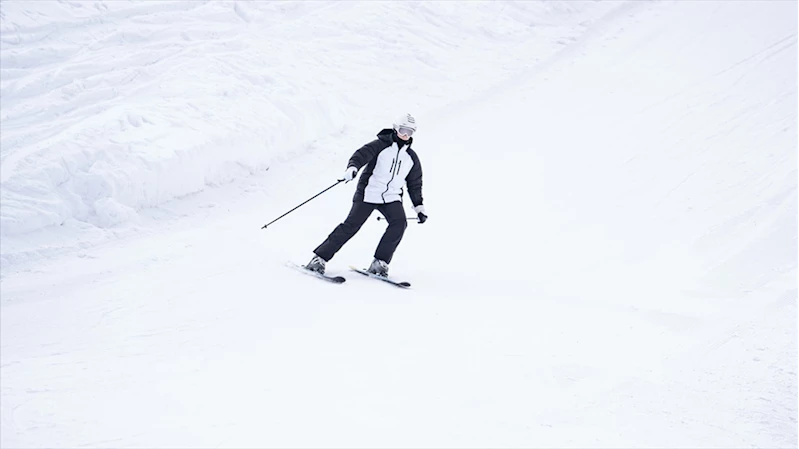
(400, 284)
(333, 279)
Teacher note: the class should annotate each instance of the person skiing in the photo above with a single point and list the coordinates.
(390, 164)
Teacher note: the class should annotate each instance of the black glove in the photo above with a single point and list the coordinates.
(420, 213)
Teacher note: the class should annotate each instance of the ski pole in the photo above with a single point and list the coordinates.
(309, 199)
(407, 218)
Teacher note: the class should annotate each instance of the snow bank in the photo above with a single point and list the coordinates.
(110, 107)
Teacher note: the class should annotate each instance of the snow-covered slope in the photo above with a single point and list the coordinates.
(111, 107)
(610, 258)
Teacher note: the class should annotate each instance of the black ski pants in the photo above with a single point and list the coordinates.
(360, 212)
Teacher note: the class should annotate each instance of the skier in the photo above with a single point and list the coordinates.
(390, 163)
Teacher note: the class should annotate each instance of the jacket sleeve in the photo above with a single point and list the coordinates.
(366, 153)
(414, 180)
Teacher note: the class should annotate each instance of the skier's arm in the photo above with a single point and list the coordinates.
(366, 153)
(414, 180)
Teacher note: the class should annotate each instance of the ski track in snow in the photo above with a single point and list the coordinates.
(610, 258)
(195, 106)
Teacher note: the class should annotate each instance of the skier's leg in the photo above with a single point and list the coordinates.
(395, 216)
(357, 217)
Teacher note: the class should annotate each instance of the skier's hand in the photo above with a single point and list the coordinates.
(420, 213)
(349, 175)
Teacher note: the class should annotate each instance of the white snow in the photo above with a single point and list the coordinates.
(610, 259)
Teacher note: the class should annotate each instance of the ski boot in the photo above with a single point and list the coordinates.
(316, 264)
(378, 268)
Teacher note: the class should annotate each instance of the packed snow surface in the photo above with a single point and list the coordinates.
(610, 258)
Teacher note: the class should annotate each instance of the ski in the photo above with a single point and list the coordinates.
(400, 284)
(333, 279)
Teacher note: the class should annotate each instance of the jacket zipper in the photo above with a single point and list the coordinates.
(393, 173)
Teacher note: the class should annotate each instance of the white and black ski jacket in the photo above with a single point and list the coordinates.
(390, 164)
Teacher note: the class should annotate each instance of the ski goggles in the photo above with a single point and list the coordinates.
(405, 131)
